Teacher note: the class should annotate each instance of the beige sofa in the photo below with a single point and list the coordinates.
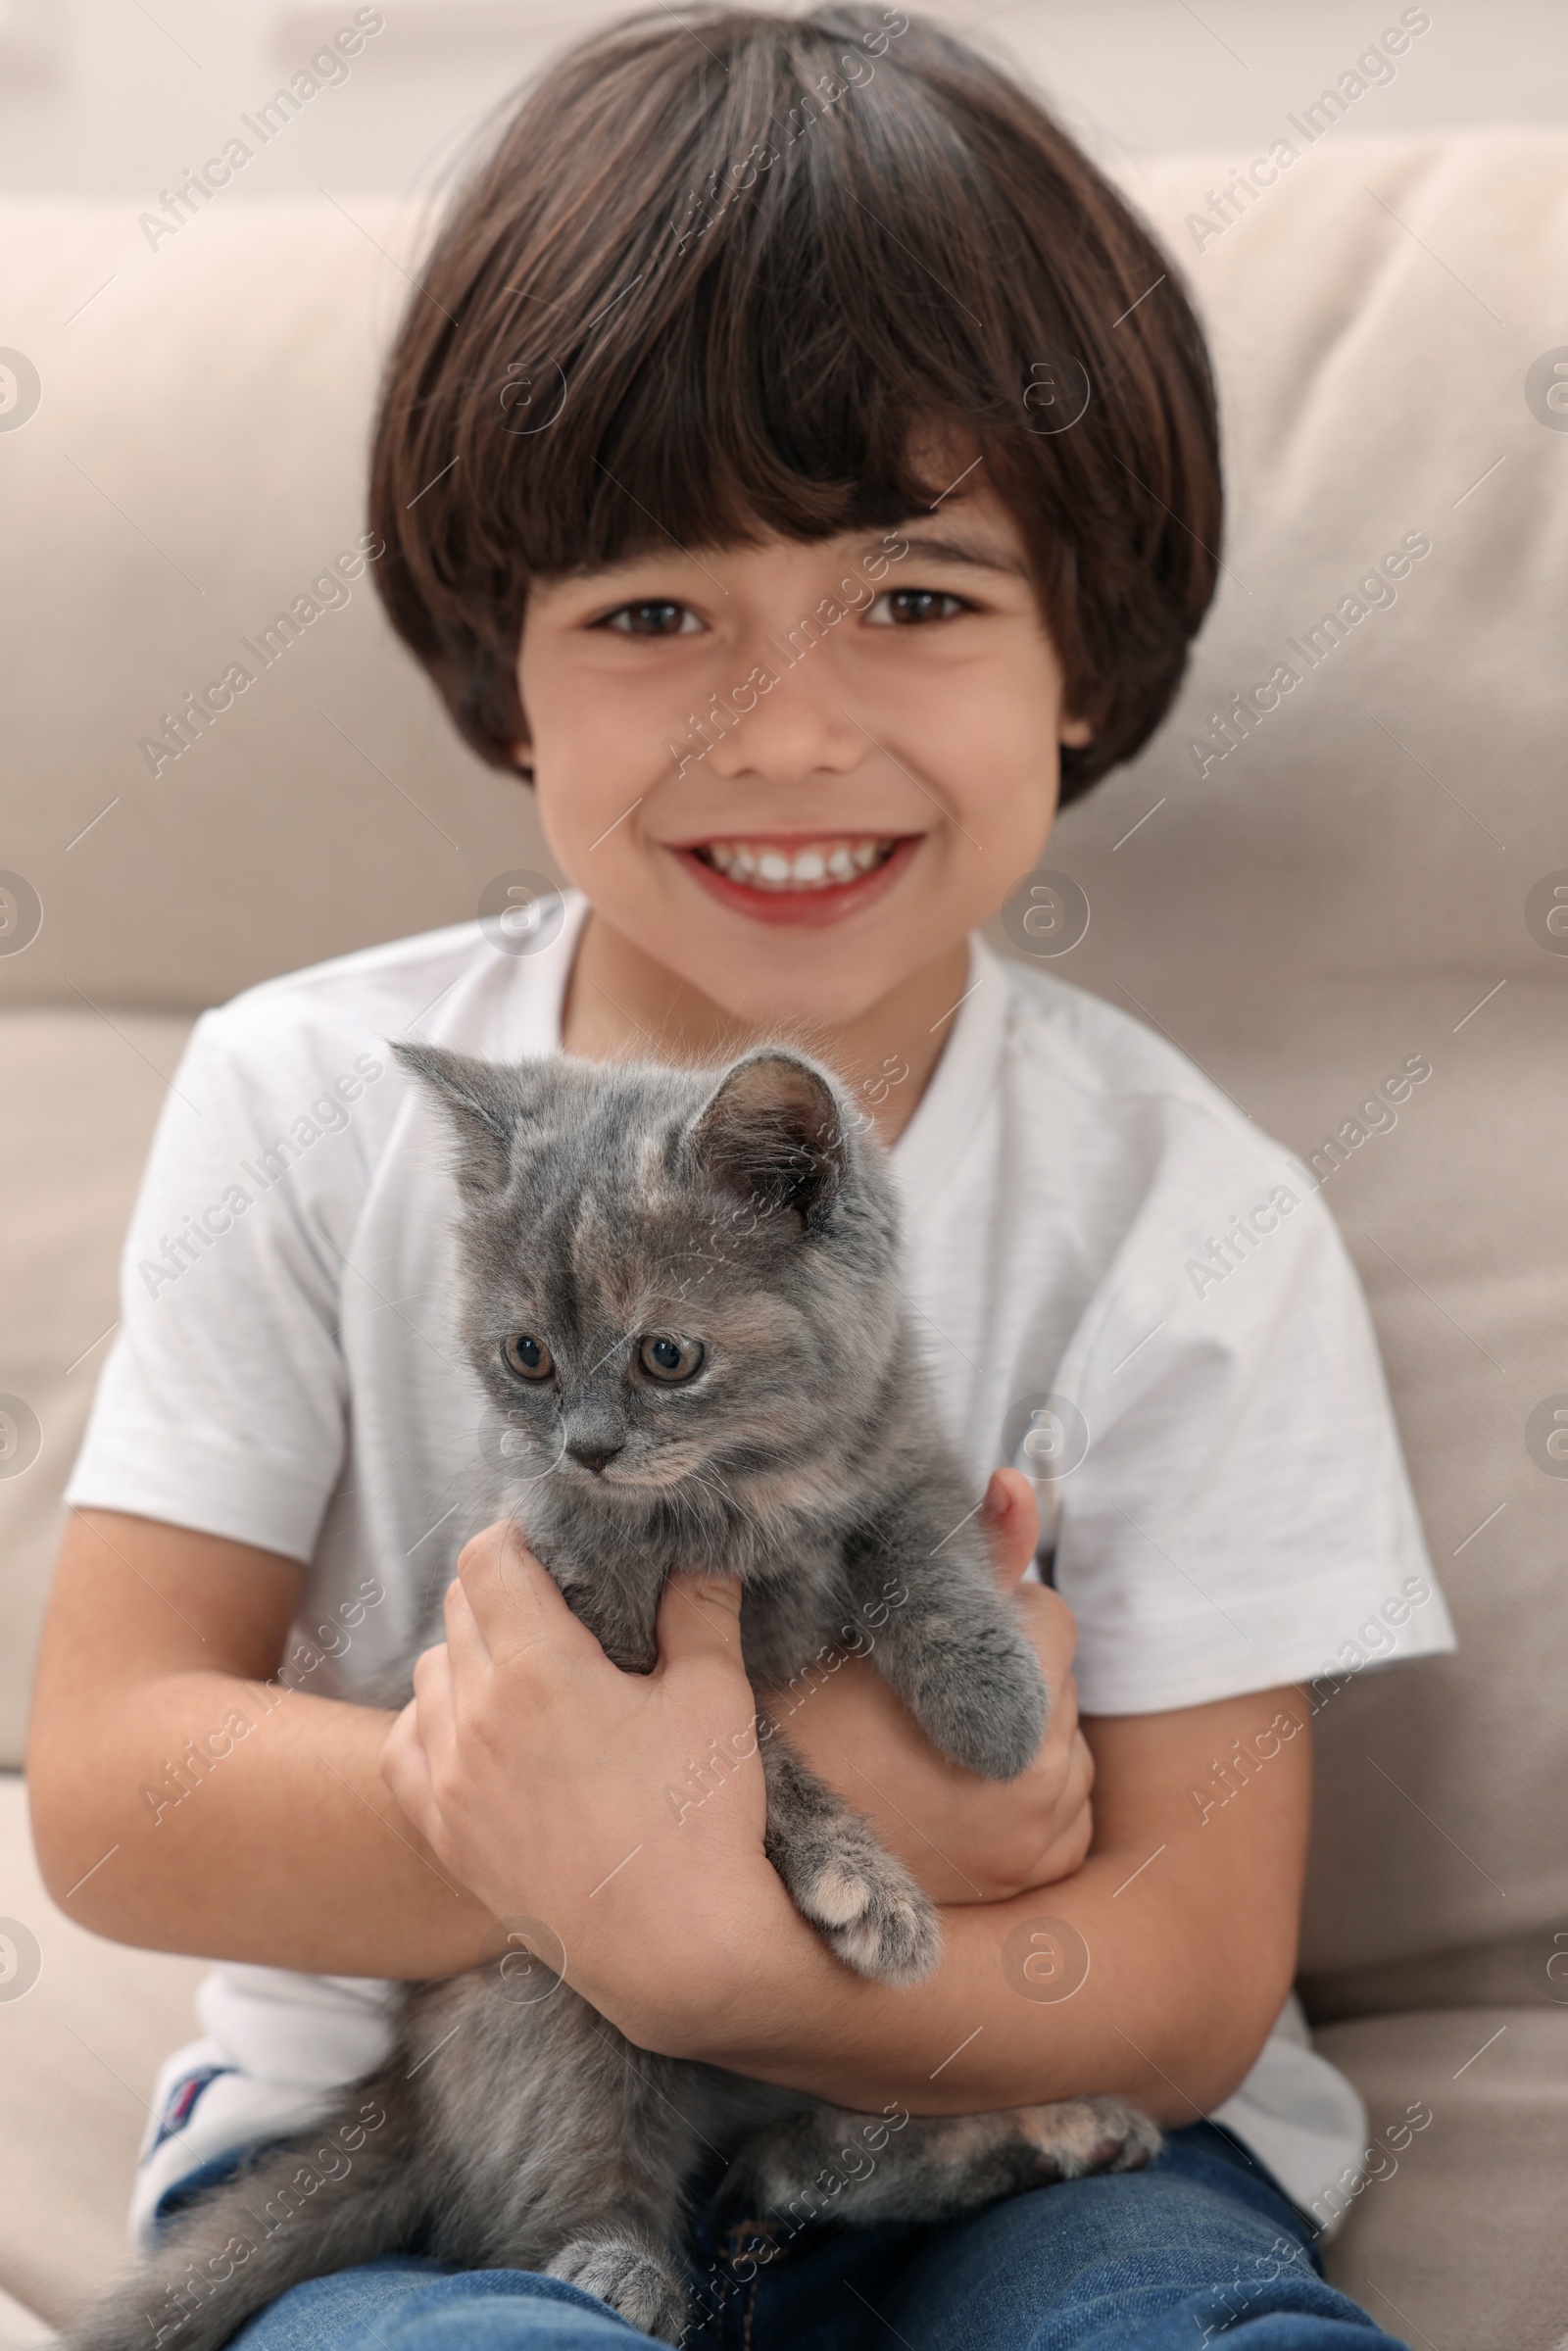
(1359, 875)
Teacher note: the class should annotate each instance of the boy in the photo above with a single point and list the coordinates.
(799, 466)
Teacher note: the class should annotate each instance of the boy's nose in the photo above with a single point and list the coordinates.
(797, 729)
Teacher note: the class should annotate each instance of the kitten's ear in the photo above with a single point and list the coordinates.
(484, 1101)
(771, 1134)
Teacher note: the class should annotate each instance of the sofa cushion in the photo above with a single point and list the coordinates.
(78, 2051)
(1460, 2234)
(195, 468)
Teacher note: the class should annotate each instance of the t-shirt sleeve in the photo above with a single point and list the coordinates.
(1241, 1515)
(222, 1404)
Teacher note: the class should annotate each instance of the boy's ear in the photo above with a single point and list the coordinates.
(772, 1135)
(485, 1102)
(1075, 732)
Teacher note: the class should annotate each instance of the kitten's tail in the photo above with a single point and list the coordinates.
(290, 2216)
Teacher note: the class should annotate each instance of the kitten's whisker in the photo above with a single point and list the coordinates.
(725, 1497)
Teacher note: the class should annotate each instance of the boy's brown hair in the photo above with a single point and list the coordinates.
(721, 278)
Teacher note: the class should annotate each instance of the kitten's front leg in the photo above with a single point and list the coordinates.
(872, 1913)
(952, 1649)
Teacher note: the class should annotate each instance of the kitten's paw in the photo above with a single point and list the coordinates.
(1089, 2134)
(872, 1913)
(988, 1710)
(631, 2275)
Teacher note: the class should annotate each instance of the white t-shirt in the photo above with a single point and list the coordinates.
(1124, 1287)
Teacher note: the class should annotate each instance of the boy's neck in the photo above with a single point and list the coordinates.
(620, 1002)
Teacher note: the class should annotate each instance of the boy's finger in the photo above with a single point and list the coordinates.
(435, 1706)
(470, 1651)
(516, 1605)
(1050, 1625)
(406, 1769)
(700, 1617)
(1011, 1516)
(1065, 1711)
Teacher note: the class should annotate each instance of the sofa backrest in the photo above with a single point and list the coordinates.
(1306, 884)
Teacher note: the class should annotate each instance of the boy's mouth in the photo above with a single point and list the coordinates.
(798, 877)
(824, 865)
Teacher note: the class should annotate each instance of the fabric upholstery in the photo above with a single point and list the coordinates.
(197, 460)
(78, 2052)
(1466, 2240)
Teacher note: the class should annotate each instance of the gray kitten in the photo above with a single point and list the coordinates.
(680, 1296)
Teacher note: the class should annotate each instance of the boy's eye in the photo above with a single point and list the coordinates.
(653, 617)
(908, 606)
(529, 1357)
(671, 1359)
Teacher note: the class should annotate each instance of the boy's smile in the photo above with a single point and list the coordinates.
(856, 737)
(810, 878)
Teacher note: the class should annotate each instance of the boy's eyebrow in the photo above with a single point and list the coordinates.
(981, 554)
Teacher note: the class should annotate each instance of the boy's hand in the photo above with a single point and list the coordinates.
(966, 1839)
(541, 1777)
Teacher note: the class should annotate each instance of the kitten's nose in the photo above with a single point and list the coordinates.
(593, 1451)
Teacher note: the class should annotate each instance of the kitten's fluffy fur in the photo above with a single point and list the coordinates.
(602, 1206)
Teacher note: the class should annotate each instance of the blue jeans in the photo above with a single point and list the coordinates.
(1201, 2248)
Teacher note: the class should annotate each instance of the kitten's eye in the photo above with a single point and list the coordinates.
(528, 1358)
(671, 1359)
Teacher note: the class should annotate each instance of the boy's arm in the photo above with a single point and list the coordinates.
(289, 1847)
(1181, 1944)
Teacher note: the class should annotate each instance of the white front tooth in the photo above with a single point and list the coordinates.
(808, 865)
(841, 865)
(773, 866)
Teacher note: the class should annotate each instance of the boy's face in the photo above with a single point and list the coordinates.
(797, 775)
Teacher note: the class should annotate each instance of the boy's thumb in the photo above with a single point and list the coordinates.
(700, 1616)
(1011, 1516)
